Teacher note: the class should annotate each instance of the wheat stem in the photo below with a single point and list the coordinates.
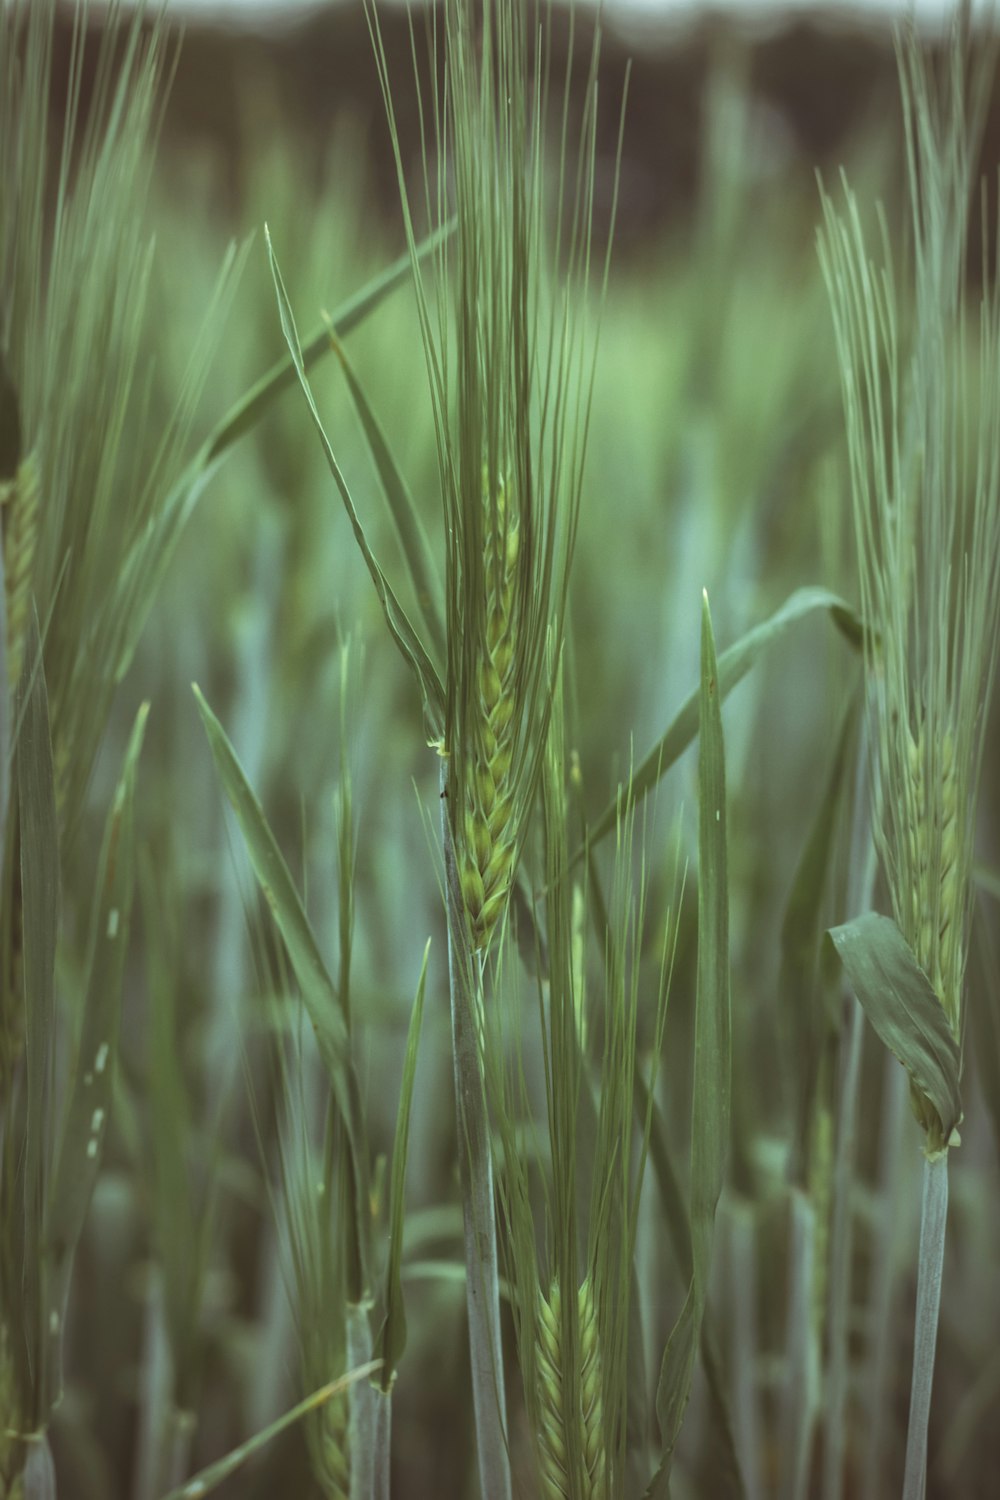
(933, 1219)
(482, 1277)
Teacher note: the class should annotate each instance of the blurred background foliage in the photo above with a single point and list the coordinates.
(716, 460)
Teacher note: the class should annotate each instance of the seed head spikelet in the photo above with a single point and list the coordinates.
(489, 846)
(591, 1392)
(552, 1457)
(560, 1426)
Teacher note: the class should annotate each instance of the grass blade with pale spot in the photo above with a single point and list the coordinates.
(85, 1123)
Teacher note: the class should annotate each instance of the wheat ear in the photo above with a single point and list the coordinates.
(935, 894)
(489, 846)
(556, 1421)
(591, 1396)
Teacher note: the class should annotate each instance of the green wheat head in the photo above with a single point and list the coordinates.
(570, 1412)
(509, 351)
(924, 450)
(488, 849)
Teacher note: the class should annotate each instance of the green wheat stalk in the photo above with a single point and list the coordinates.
(924, 451)
(510, 367)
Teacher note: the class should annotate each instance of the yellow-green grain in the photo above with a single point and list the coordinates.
(489, 843)
(560, 1429)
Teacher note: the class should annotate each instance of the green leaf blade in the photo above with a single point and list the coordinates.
(392, 1340)
(411, 647)
(319, 994)
(733, 666)
(712, 1052)
(907, 1015)
(409, 526)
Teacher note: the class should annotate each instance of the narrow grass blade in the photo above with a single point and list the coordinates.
(210, 1478)
(319, 994)
(807, 1021)
(476, 1174)
(86, 1118)
(40, 898)
(403, 633)
(933, 1221)
(733, 664)
(149, 558)
(712, 1055)
(729, 1479)
(392, 1340)
(906, 1013)
(182, 1211)
(247, 412)
(409, 526)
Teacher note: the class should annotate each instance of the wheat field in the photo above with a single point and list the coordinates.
(499, 808)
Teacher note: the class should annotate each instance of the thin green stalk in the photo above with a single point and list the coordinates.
(361, 1442)
(476, 1172)
(841, 1243)
(745, 1337)
(381, 1466)
(861, 887)
(802, 1352)
(181, 1427)
(39, 1479)
(894, 1113)
(933, 1220)
(154, 1388)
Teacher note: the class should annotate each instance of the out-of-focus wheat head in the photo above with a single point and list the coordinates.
(924, 451)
